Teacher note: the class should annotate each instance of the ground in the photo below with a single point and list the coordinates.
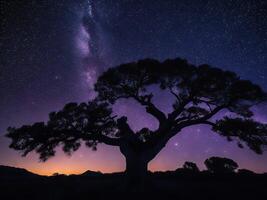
(169, 185)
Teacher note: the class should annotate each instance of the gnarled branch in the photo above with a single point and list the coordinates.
(151, 108)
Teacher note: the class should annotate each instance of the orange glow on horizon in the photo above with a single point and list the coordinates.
(81, 169)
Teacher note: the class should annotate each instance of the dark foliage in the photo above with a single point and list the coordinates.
(252, 133)
(221, 165)
(90, 122)
(190, 166)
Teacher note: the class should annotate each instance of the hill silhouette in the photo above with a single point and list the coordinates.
(7, 172)
(91, 173)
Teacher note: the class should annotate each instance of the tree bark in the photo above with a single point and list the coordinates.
(136, 170)
(136, 165)
(138, 156)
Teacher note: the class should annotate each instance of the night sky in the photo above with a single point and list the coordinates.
(52, 51)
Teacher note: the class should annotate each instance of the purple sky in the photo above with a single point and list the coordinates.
(54, 52)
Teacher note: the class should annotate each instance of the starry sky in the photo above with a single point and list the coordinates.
(53, 51)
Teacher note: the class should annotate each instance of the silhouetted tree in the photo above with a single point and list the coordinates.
(220, 165)
(191, 166)
(198, 93)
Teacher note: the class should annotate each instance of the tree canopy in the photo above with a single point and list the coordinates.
(190, 166)
(90, 122)
(221, 165)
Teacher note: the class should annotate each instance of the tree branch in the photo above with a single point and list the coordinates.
(124, 127)
(202, 119)
(175, 95)
(109, 141)
(151, 109)
(208, 123)
(172, 116)
(92, 136)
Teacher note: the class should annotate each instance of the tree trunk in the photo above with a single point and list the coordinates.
(137, 161)
(136, 165)
(136, 169)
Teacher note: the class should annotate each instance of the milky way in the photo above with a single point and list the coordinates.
(54, 51)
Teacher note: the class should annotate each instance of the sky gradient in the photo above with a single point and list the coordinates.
(54, 51)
